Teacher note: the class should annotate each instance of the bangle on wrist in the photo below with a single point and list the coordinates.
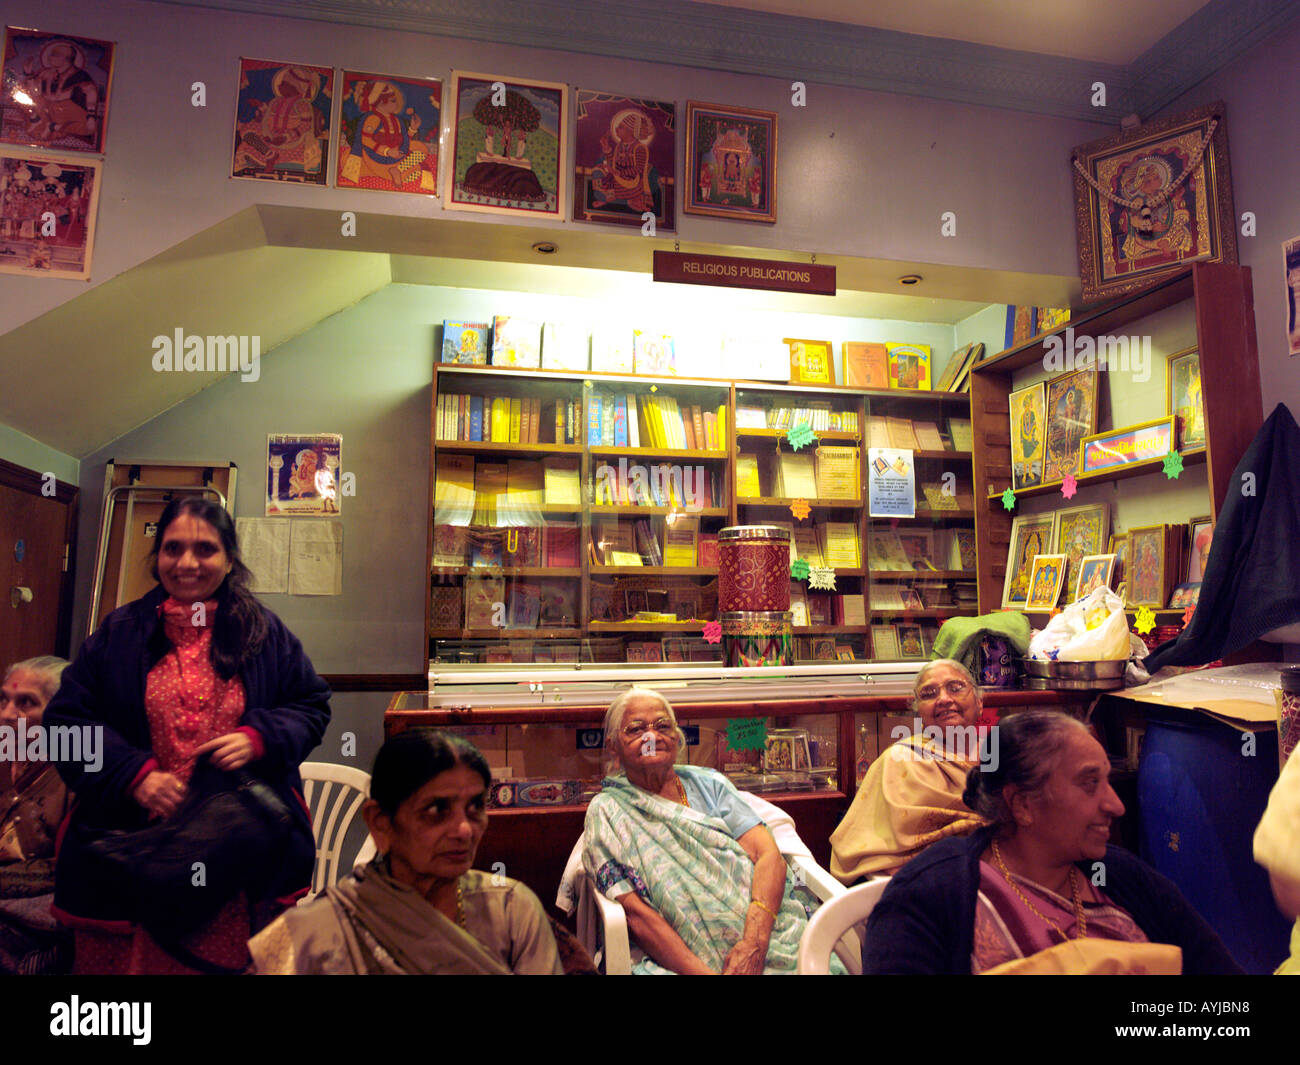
(764, 907)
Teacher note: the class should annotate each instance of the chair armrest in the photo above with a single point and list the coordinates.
(807, 873)
(618, 948)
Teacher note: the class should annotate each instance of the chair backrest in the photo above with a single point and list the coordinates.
(832, 920)
(334, 794)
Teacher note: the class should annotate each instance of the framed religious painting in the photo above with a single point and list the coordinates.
(1183, 394)
(1095, 571)
(1148, 580)
(509, 139)
(1071, 415)
(1291, 266)
(47, 214)
(54, 91)
(283, 117)
(730, 162)
(1080, 532)
(1118, 547)
(388, 133)
(1150, 200)
(1031, 535)
(625, 161)
(1045, 582)
(1199, 540)
(1027, 436)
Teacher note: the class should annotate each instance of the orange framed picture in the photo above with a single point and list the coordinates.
(811, 362)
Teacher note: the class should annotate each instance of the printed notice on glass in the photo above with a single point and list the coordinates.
(891, 483)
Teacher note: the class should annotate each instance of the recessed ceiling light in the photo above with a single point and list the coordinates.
(910, 279)
(545, 247)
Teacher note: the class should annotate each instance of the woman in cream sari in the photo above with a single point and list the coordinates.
(418, 908)
(911, 795)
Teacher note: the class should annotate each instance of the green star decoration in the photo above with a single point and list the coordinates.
(799, 569)
(1173, 465)
(800, 435)
(1009, 499)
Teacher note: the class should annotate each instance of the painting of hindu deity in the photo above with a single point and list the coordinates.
(730, 162)
(1081, 531)
(282, 122)
(1071, 415)
(1045, 582)
(1147, 583)
(388, 133)
(55, 90)
(1095, 571)
(47, 214)
(302, 474)
(508, 138)
(1027, 428)
(1031, 536)
(1183, 381)
(625, 161)
(1150, 200)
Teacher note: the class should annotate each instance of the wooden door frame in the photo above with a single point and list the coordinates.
(31, 482)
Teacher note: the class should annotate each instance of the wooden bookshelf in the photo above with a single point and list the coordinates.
(656, 453)
(1119, 473)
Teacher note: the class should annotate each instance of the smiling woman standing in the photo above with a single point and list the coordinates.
(418, 908)
(195, 667)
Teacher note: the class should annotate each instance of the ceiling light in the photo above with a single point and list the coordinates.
(910, 279)
(545, 247)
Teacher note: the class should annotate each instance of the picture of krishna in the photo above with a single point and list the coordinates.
(390, 129)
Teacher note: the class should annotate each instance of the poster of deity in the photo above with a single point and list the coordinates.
(508, 139)
(730, 162)
(1027, 428)
(388, 133)
(625, 161)
(1185, 403)
(1080, 532)
(1071, 415)
(302, 474)
(282, 122)
(1148, 583)
(47, 214)
(55, 90)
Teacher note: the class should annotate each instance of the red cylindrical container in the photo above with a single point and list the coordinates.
(753, 568)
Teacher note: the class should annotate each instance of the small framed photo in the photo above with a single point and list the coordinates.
(785, 753)
(1185, 595)
(730, 162)
(1045, 582)
(1095, 571)
(1136, 445)
(1081, 531)
(823, 649)
(1183, 395)
(1200, 537)
(1071, 416)
(1147, 578)
(1118, 547)
(811, 362)
(636, 601)
(1028, 413)
(911, 642)
(844, 653)
(884, 642)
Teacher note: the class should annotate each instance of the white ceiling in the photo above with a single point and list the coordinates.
(1106, 31)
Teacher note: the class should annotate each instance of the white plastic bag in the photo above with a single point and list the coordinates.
(1094, 629)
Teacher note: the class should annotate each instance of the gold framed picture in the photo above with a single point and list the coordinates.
(1027, 436)
(1184, 401)
(1045, 582)
(1095, 571)
(1148, 579)
(1031, 535)
(810, 361)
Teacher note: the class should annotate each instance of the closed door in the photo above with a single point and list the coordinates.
(34, 532)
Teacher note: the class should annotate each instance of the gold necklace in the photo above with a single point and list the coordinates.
(460, 905)
(1080, 917)
(681, 791)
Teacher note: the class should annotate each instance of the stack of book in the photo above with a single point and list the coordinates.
(503, 419)
(817, 416)
(796, 475)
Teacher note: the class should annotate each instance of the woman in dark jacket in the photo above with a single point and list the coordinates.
(195, 667)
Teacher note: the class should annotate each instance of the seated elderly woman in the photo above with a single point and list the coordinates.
(1038, 890)
(911, 795)
(418, 908)
(705, 889)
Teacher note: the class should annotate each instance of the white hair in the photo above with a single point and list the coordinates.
(921, 673)
(49, 668)
(614, 724)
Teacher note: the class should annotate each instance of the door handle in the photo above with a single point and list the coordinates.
(19, 595)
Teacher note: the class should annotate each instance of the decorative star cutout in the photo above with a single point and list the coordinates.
(799, 569)
(1187, 614)
(1009, 499)
(800, 508)
(654, 388)
(821, 578)
(712, 631)
(1173, 465)
(1069, 486)
(800, 435)
(1146, 620)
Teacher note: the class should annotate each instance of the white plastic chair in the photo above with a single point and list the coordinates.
(602, 924)
(333, 806)
(831, 922)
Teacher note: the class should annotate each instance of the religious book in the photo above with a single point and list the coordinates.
(839, 544)
(707, 550)
(902, 435)
(866, 365)
(927, 435)
(838, 475)
(560, 544)
(565, 347)
(804, 544)
(516, 341)
(450, 546)
(963, 439)
(853, 610)
(560, 486)
(796, 476)
(679, 542)
(878, 431)
(491, 482)
(525, 488)
(446, 605)
(453, 497)
(559, 603)
(747, 481)
(524, 605)
(886, 551)
(465, 342)
(652, 354)
(617, 544)
(611, 349)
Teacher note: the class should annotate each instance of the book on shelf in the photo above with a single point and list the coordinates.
(522, 546)
(516, 341)
(886, 597)
(525, 488)
(648, 544)
(633, 420)
(747, 481)
(617, 544)
(927, 435)
(491, 482)
(866, 365)
(749, 416)
(618, 401)
(559, 603)
(909, 366)
(886, 551)
(565, 347)
(611, 349)
(805, 544)
(516, 419)
(446, 606)
(450, 546)
(697, 355)
(796, 476)
(901, 434)
(961, 380)
(595, 404)
(465, 342)
(653, 354)
(560, 485)
(849, 609)
(680, 540)
(817, 415)
(959, 429)
(523, 605)
(839, 544)
(838, 473)
(820, 611)
(560, 544)
(937, 498)
(484, 599)
(453, 495)
(485, 549)
(707, 550)
(954, 549)
(878, 431)
(607, 420)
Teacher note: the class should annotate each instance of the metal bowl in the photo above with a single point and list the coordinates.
(1058, 684)
(1103, 671)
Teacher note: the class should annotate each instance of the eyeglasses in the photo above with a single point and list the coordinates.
(662, 726)
(952, 687)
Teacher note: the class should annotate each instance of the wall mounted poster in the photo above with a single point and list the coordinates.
(730, 162)
(1027, 428)
(1071, 415)
(625, 160)
(388, 133)
(283, 118)
(55, 91)
(508, 138)
(302, 474)
(1291, 263)
(47, 214)
(1031, 535)
(891, 483)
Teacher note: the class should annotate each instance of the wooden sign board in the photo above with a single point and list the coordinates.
(726, 271)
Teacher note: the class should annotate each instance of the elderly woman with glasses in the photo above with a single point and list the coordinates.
(705, 889)
(911, 795)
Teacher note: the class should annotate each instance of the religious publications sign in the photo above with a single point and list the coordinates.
(725, 271)
(891, 483)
